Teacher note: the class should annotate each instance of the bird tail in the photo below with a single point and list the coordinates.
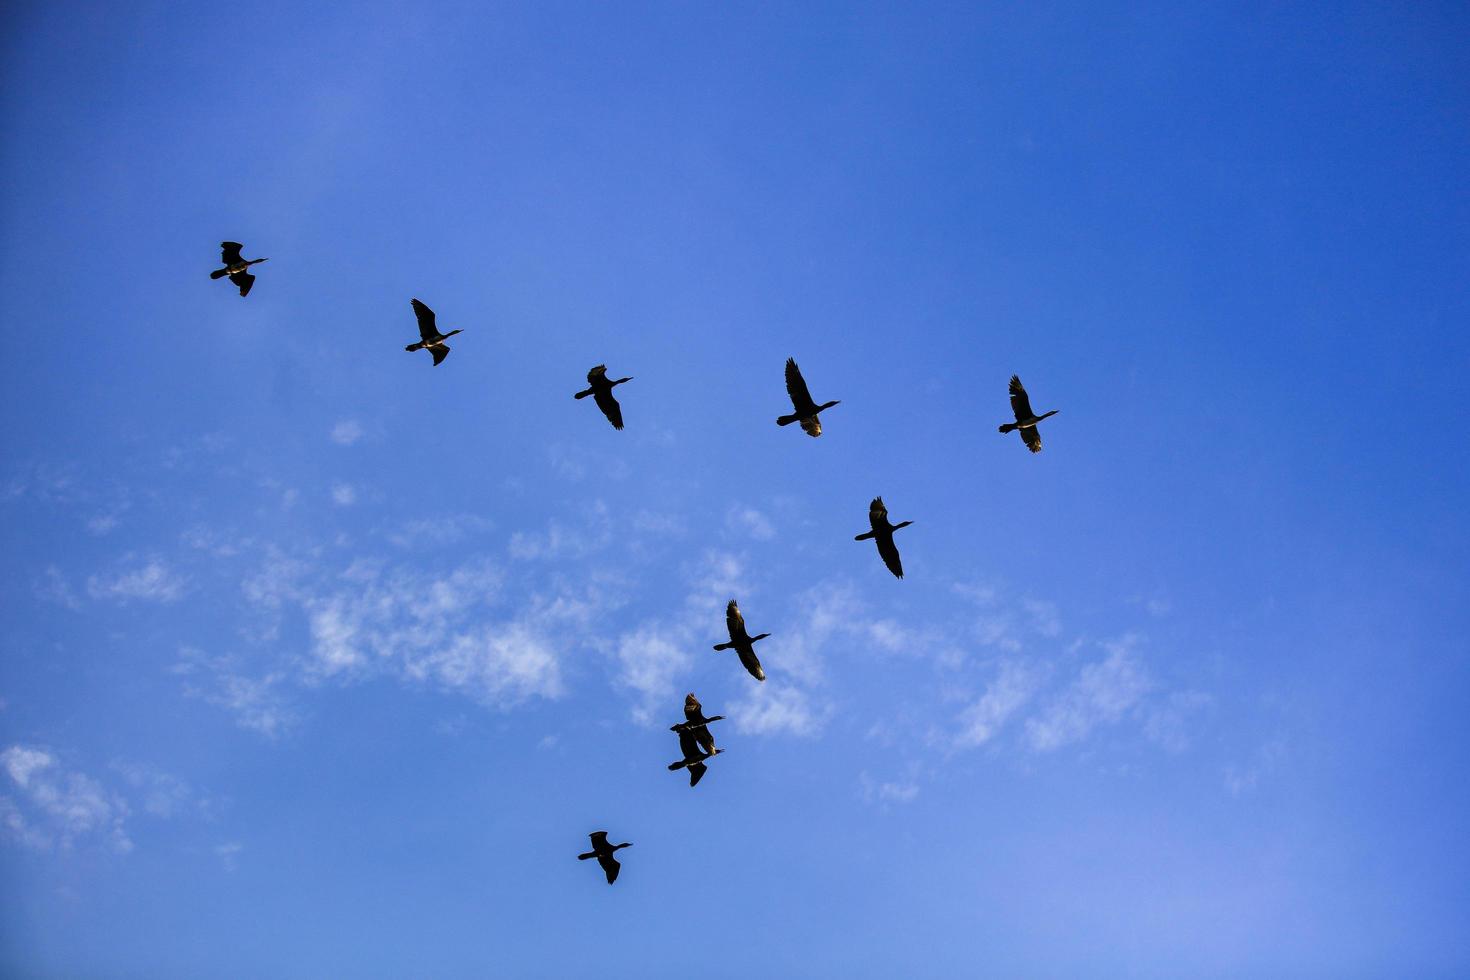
(587, 857)
(787, 419)
(724, 646)
(219, 273)
(866, 535)
(1009, 427)
(583, 394)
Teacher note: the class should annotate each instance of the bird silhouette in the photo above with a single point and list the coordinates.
(882, 533)
(603, 851)
(1025, 418)
(236, 266)
(696, 741)
(600, 388)
(806, 409)
(742, 642)
(430, 337)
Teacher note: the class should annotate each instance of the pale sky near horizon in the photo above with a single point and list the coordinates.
(316, 660)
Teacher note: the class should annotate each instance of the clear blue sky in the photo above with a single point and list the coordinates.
(320, 661)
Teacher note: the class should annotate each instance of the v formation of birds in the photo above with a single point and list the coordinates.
(696, 741)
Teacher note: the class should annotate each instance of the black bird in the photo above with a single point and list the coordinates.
(235, 266)
(806, 410)
(432, 340)
(696, 741)
(603, 851)
(601, 392)
(742, 642)
(882, 532)
(1025, 418)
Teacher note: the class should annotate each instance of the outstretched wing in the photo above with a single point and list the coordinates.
(428, 330)
(609, 406)
(230, 252)
(752, 663)
(696, 773)
(244, 280)
(610, 866)
(889, 552)
(1031, 436)
(599, 839)
(801, 399)
(440, 351)
(877, 513)
(597, 374)
(1020, 401)
(734, 622)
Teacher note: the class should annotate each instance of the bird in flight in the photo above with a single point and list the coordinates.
(1025, 418)
(603, 851)
(601, 391)
(235, 266)
(742, 642)
(696, 741)
(431, 339)
(882, 532)
(806, 410)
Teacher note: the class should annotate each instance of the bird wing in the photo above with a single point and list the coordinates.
(230, 252)
(801, 399)
(244, 280)
(610, 866)
(734, 622)
(689, 745)
(428, 330)
(877, 513)
(440, 351)
(1031, 436)
(1020, 401)
(752, 663)
(696, 773)
(889, 552)
(599, 839)
(610, 407)
(597, 374)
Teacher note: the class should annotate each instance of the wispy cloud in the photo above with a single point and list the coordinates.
(344, 494)
(151, 581)
(1013, 685)
(775, 708)
(52, 806)
(346, 432)
(749, 521)
(1101, 693)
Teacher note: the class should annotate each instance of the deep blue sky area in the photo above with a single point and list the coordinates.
(316, 660)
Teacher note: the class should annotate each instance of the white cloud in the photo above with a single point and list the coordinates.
(343, 494)
(229, 854)
(1101, 693)
(888, 792)
(1011, 688)
(54, 807)
(54, 587)
(748, 520)
(152, 581)
(771, 708)
(346, 432)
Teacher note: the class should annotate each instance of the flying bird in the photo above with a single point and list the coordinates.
(603, 851)
(431, 339)
(235, 266)
(696, 741)
(882, 532)
(742, 642)
(601, 392)
(1025, 418)
(806, 410)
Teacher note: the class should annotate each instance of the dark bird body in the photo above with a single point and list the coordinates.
(600, 388)
(430, 338)
(696, 741)
(807, 410)
(742, 642)
(603, 851)
(1026, 419)
(882, 533)
(235, 266)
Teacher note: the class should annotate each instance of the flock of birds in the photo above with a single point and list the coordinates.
(696, 741)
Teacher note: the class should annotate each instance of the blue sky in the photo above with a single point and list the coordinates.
(321, 661)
